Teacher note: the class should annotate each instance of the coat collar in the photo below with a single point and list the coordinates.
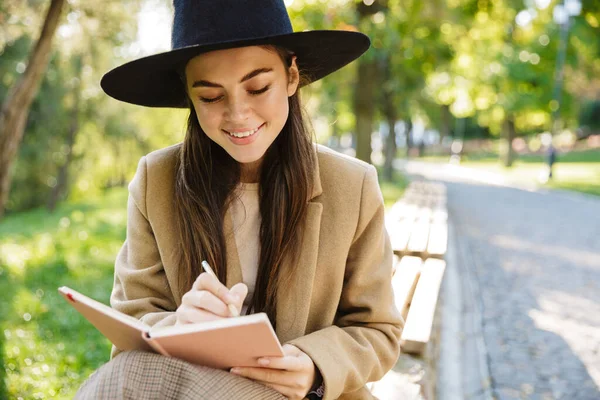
(317, 189)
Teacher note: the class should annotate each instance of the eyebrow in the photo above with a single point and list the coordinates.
(250, 75)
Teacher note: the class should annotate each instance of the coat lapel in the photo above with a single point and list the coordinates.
(293, 304)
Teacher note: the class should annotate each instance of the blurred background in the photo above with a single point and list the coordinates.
(497, 92)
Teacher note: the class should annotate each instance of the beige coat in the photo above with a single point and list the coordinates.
(339, 310)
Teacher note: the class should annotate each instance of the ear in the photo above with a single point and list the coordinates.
(294, 78)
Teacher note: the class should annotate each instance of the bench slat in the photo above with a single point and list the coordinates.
(419, 321)
(405, 281)
(440, 214)
(438, 239)
(419, 236)
(400, 212)
(400, 235)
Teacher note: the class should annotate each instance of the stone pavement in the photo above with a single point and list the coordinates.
(529, 277)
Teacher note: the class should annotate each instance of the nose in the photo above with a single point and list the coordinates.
(237, 109)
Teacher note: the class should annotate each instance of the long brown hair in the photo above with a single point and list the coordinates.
(206, 179)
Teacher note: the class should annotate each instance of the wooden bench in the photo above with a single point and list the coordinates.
(418, 229)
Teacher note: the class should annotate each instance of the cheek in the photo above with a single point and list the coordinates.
(208, 119)
(275, 106)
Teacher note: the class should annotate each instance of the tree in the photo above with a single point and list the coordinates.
(60, 158)
(367, 80)
(410, 40)
(62, 181)
(15, 107)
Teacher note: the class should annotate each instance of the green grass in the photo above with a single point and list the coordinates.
(392, 190)
(47, 349)
(577, 171)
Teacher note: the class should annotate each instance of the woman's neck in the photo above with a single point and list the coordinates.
(250, 172)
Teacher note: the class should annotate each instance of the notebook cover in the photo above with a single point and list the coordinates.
(123, 331)
(232, 342)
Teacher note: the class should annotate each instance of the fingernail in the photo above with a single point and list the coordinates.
(231, 298)
(235, 370)
(263, 361)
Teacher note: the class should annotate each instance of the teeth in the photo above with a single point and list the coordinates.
(243, 134)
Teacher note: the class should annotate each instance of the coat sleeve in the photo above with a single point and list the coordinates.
(363, 343)
(140, 288)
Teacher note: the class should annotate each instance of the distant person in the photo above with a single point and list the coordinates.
(292, 229)
(421, 148)
(551, 158)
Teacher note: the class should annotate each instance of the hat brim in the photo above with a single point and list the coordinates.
(153, 81)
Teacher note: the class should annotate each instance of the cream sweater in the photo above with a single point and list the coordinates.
(246, 226)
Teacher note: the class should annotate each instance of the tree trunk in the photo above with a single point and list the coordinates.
(364, 107)
(62, 184)
(389, 111)
(364, 95)
(509, 134)
(408, 131)
(390, 149)
(446, 119)
(15, 108)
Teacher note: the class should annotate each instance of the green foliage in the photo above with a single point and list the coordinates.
(590, 115)
(42, 144)
(500, 68)
(110, 137)
(330, 99)
(48, 349)
(473, 130)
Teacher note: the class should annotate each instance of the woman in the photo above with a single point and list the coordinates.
(292, 229)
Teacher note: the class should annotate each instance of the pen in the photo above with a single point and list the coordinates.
(234, 312)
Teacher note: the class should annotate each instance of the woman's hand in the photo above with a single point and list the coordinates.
(207, 300)
(292, 375)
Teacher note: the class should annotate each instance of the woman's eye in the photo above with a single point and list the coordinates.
(207, 100)
(259, 91)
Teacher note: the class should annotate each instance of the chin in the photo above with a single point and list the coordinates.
(247, 158)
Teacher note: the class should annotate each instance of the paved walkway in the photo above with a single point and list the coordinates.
(532, 262)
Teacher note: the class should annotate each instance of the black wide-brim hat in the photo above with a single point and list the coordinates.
(200, 26)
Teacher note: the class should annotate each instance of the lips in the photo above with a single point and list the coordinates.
(243, 134)
(244, 137)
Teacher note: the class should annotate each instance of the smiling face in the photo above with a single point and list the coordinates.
(240, 97)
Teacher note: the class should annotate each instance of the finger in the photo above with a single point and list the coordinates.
(294, 360)
(208, 282)
(240, 291)
(192, 315)
(287, 363)
(291, 350)
(205, 300)
(277, 376)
